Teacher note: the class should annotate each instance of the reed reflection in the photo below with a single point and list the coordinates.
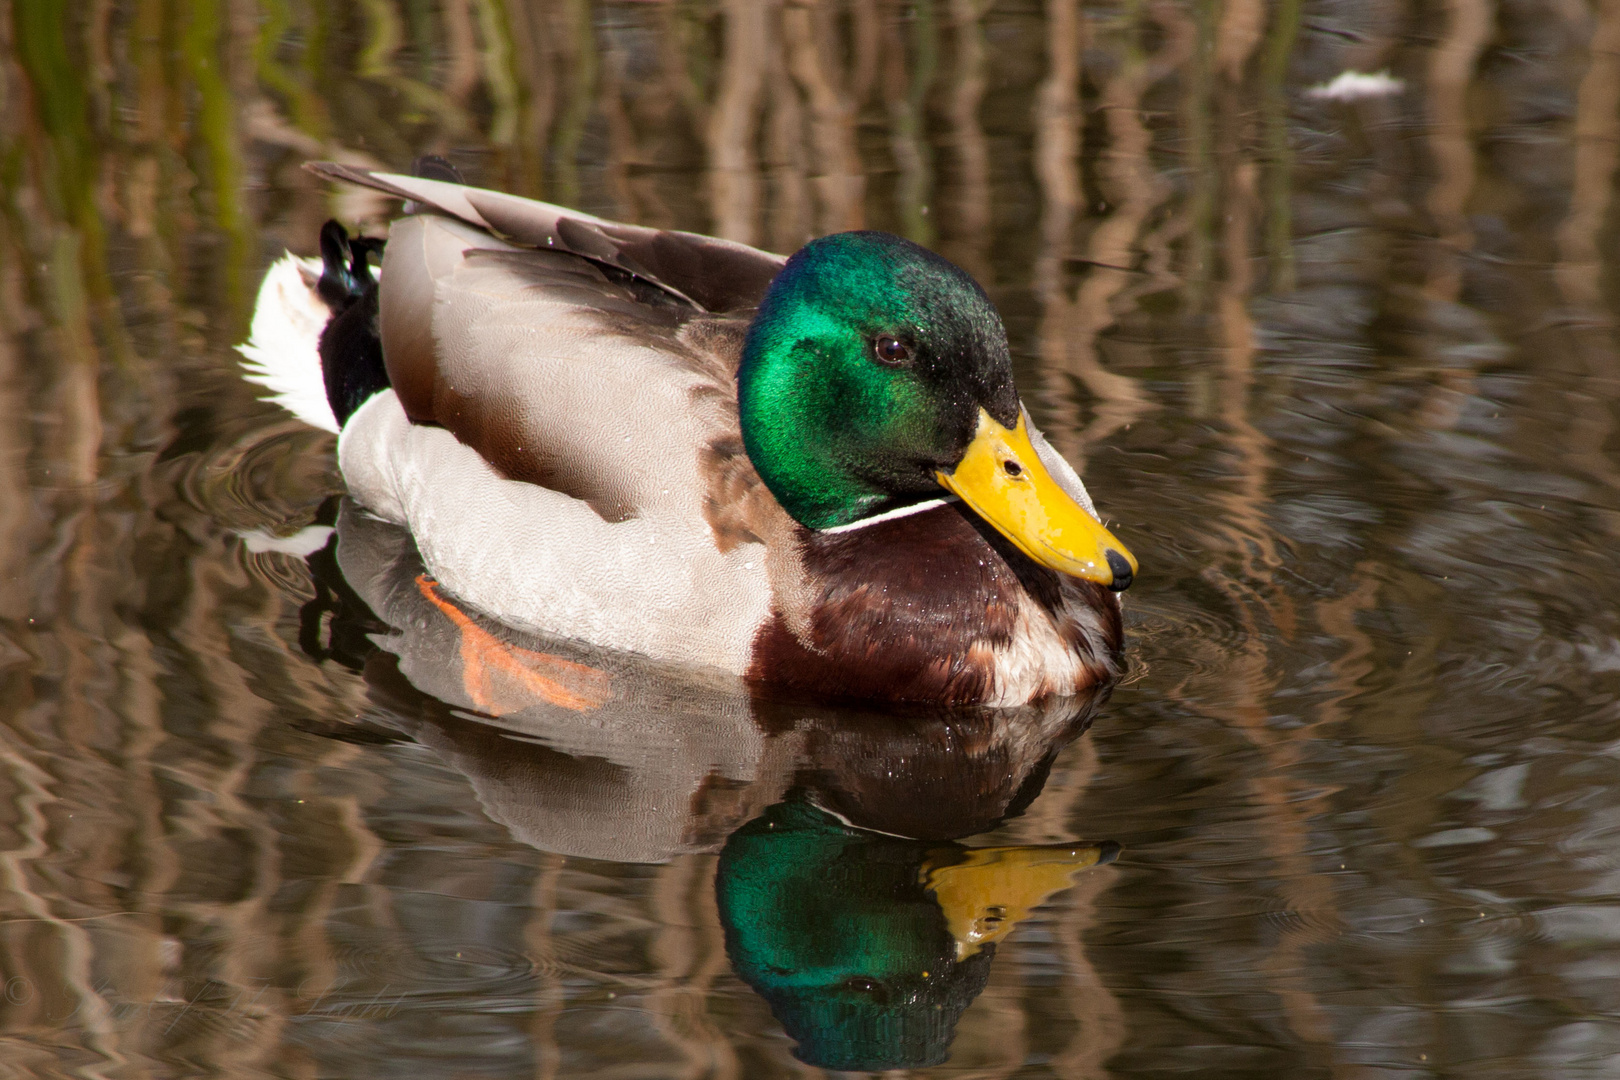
(844, 899)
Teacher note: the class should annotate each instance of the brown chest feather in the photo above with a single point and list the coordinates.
(916, 609)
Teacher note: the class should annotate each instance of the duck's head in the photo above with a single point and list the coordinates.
(876, 376)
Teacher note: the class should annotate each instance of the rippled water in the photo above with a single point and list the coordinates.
(1343, 375)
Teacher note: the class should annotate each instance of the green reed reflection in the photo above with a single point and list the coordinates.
(217, 121)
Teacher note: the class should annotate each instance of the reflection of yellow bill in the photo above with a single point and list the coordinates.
(985, 895)
(1002, 479)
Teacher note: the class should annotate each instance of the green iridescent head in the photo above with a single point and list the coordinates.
(864, 375)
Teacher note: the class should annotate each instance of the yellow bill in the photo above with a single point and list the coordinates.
(1002, 479)
(985, 892)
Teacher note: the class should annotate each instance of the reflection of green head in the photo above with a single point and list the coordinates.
(834, 928)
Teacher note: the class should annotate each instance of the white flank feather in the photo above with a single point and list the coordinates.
(282, 352)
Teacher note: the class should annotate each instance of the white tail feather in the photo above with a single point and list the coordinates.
(282, 352)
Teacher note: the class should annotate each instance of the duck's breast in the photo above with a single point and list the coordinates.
(935, 606)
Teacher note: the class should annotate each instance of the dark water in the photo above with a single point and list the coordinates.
(1343, 375)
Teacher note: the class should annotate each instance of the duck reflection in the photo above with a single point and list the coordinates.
(846, 902)
(869, 947)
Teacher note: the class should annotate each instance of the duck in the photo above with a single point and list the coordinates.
(813, 474)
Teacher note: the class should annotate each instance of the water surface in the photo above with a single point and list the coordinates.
(1343, 375)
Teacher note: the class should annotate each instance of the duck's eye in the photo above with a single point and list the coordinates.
(891, 350)
(868, 988)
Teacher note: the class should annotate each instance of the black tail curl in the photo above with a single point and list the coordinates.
(351, 345)
(351, 349)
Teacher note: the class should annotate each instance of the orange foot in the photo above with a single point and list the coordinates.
(502, 678)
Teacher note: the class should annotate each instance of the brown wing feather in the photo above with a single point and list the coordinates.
(642, 285)
(449, 285)
(712, 274)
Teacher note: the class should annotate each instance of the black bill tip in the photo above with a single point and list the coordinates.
(1121, 567)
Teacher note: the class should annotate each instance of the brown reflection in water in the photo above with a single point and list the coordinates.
(16, 511)
(969, 201)
(1133, 189)
(1099, 1027)
(831, 91)
(689, 951)
(786, 161)
(1057, 169)
(1274, 63)
(910, 31)
(1469, 25)
(539, 943)
(1246, 539)
(1580, 268)
(733, 178)
(1597, 151)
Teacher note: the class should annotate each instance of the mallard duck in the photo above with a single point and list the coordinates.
(813, 473)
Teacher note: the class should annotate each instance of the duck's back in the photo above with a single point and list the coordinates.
(555, 374)
(561, 431)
